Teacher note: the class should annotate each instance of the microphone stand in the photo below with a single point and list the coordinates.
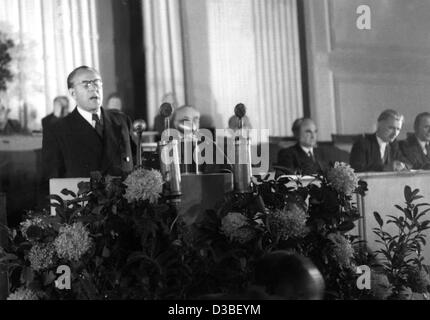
(242, 167)
(196, 153)
(170, 171)
(138, 127)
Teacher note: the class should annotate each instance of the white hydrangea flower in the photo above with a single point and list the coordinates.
(23, 294)
(290, 222)
(343, 178)
(236, 227)
(144, 185)
(72, 242)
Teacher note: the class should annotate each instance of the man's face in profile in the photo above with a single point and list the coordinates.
(187, 119)
(87, 90)
(423, 130)
(389, 129)
(308, 134)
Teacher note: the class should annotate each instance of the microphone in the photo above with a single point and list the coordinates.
(166, 110)
(242, 171)
(138, 127)
(240, 110)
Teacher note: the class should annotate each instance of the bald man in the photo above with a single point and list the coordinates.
(8, 126)
(186, 120)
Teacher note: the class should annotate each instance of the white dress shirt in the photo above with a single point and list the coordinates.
(308, 151)
(382, 146)
(88, 116)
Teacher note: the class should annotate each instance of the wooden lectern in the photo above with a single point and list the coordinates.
(201, 192)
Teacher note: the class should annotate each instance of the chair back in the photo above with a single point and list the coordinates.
(344, 141)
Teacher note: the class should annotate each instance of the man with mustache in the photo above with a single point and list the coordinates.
(380, 151)
(90, 138)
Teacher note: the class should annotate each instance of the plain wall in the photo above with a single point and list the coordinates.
(355, 74)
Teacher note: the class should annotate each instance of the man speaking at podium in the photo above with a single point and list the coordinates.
(90, 138)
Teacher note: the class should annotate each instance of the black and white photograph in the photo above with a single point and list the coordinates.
(214, 153)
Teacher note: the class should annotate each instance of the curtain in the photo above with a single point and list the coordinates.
(53, 37)
(222, 52)
(278, 64)
(164, 54)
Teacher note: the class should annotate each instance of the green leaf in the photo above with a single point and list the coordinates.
(106, 252)
(408, 193)
(378, 219)
(399, 207)
(56, 198)
(84, 187)
(8, 257)
(408, 214)
(346, 226)
(422, 213)
(417, 198)
(68, 193)
(48, 278)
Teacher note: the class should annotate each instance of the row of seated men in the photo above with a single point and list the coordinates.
(375, 152)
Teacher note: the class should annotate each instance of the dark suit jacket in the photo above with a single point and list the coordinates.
(49, 120)
(72, 149)
(412, 150)
(366, 156)
(12, 127)
(297, 161)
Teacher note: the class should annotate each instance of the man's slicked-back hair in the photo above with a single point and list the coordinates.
(390, 114)
(419, 117)
(297, 125)
(73, 74)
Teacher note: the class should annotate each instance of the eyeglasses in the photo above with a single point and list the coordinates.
(97, 83)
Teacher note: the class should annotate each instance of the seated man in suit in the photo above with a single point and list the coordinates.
(416, 147)
(90, 138)
(114, 101)
(304, 158)
(61, 109)
(186, 120)
(8, 126)
(380, 151)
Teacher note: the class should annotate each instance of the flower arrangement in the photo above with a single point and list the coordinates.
(143, 184)
(122, 239)
(104, 236)
(343, 178)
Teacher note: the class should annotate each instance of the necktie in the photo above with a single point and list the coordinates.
(311, 155)
(98, 126)
(386, 158)
(428, 149)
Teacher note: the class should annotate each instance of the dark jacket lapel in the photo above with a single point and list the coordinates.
(413, 141)
(375, 150)
(111, 137)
